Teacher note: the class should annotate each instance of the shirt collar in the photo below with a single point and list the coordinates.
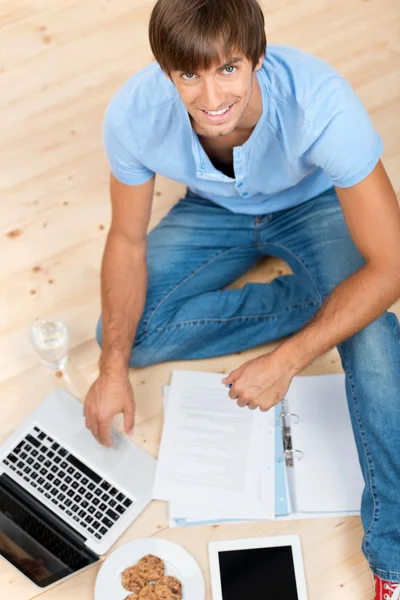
(204, 167)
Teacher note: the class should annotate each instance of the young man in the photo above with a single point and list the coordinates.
(279, 158)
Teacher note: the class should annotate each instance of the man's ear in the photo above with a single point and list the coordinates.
(260, 62)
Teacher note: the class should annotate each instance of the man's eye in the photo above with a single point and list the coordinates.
(230, 70)
(188, 76)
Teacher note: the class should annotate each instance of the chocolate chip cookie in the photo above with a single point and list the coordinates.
(168, 588)
(132, 581)
(150, 568)
(148, 593)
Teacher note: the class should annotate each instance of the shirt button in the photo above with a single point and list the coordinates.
(245, 194)
(240, 184)
(258, 219)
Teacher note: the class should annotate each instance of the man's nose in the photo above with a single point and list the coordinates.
(211, 97)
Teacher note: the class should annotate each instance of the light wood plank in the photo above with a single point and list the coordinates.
(60, 63)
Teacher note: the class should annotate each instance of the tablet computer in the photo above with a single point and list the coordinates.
(257, 569)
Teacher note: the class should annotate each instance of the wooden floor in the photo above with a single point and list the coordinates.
(60, 63)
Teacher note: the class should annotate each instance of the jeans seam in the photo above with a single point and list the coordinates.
(198, 269)
(386, 572)
(227, 320)
(367, 455)
(298, 259)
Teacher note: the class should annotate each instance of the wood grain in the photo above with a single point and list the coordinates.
(61, 61)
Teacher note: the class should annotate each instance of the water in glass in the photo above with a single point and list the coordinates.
(50, 340)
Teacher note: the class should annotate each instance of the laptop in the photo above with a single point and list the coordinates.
(64, 498)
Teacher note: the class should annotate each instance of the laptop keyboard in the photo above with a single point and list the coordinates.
(78, 491)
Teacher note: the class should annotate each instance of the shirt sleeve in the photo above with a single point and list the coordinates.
(338, 135)
(119, 145)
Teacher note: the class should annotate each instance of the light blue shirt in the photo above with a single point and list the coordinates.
(313, 133)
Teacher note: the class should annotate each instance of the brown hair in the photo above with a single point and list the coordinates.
(192, 35)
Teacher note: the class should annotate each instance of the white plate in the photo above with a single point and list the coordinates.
(178, 563)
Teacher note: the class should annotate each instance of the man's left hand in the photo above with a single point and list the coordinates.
(260, 383)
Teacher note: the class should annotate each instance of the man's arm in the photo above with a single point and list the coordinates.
(372, 215)
(123, 273)
(123, 293)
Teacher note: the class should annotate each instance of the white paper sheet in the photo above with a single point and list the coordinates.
(328, 478)
(215, 458)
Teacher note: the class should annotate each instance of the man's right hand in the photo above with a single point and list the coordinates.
(108, 396)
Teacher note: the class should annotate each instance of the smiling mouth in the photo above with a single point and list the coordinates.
(214, 113)
(217, 115)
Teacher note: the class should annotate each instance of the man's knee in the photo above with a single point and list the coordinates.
(372, 347)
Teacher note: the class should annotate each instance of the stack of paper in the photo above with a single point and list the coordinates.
(216, 460)
(219, 462)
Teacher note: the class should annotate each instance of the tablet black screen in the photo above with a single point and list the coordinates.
(258, 574)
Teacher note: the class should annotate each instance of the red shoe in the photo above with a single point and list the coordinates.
(386, 590)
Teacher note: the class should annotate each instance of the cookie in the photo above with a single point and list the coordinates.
(132, 581)
(168, 588)
(150, 568)
(132, 597)
(148, 593)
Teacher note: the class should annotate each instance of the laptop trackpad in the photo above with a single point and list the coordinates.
(89, 448)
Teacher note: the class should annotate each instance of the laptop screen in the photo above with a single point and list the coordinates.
(34, 544)
(258, 574)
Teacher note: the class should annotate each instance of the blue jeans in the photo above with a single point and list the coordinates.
(199, 248)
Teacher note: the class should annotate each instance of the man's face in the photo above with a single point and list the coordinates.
(216, 99)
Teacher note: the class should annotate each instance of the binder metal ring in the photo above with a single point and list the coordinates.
(293, 415)
(290, 454)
